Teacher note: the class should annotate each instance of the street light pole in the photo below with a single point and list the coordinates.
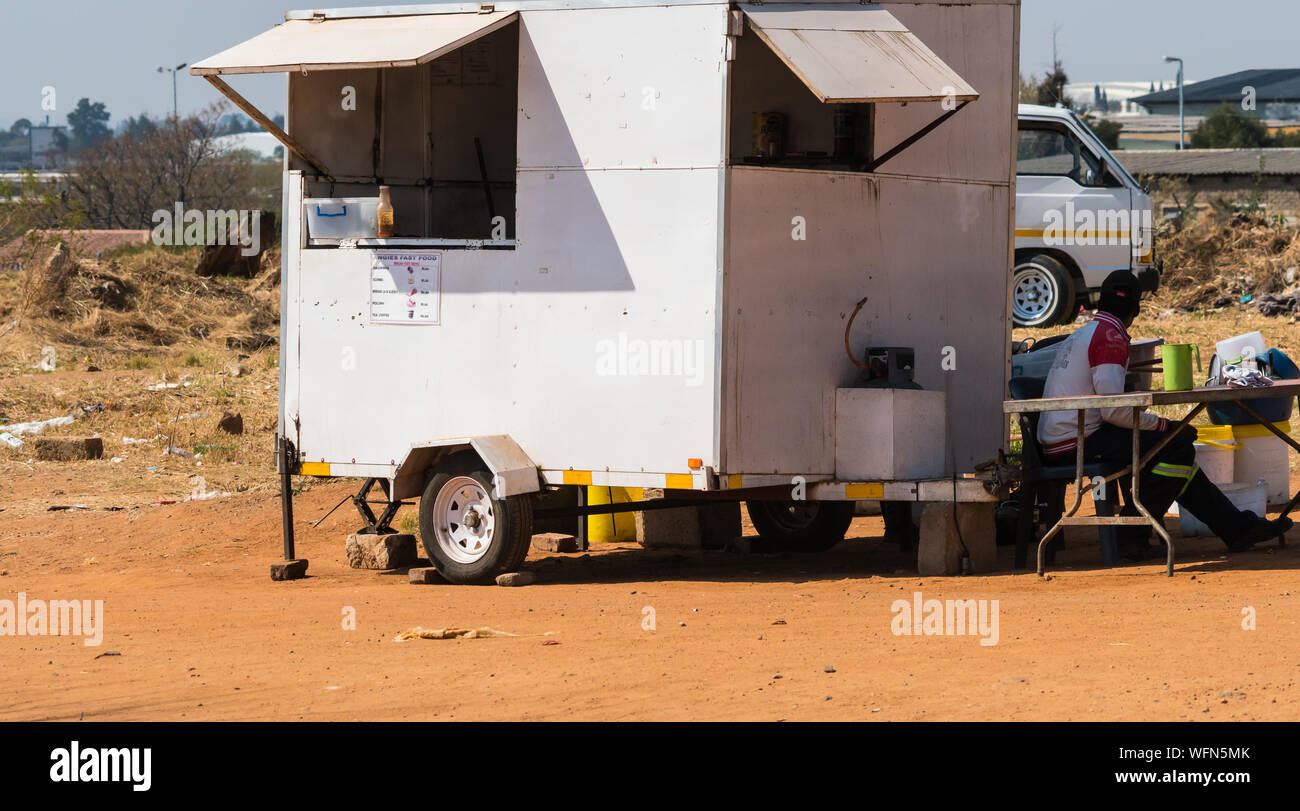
(173, 71)
(1181, 119)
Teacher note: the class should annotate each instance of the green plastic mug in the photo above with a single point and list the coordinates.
(1176, 359)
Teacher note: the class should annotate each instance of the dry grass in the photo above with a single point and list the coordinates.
(1220, 256)
(174, 329)
(144, 297)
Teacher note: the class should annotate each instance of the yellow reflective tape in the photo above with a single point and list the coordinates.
(314, 468)
(1064, 234)
(679, 481)
(870, 490)
(1188, 483)
(735, 482)
(577, 477)
(1174, 471)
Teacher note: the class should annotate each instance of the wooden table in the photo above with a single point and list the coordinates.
(1139, 401)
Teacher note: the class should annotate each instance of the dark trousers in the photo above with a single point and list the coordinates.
(1171, 476)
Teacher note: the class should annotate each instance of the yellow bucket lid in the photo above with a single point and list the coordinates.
(1215, 433)
(1254, 430)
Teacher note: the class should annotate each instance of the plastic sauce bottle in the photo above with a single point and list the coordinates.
(384, 213)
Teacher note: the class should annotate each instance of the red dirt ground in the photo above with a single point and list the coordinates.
(203, 633)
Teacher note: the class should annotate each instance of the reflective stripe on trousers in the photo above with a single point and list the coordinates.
(1184, 472)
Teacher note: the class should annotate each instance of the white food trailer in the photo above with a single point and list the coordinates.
(629, 239)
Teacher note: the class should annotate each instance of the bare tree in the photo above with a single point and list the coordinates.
(123, 180)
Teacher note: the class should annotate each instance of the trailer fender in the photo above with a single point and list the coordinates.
(513, 473)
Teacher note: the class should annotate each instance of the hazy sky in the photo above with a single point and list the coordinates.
(109, 50)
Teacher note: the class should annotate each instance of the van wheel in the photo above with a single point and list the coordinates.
(1042, 292)
(470, 535)
(801, 526)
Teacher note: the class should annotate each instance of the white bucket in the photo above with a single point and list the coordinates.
(1216, 457)
(1244, 495)
(1263, 456)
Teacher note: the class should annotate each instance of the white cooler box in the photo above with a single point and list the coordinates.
(341, 217)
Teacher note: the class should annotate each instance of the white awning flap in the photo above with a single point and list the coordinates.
(355, 42)
(855, 54)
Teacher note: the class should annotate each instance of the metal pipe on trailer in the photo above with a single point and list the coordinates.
(624, 507)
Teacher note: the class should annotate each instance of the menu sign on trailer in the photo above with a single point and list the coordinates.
(405, 288)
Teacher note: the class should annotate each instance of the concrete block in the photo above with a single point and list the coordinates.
(557, 542)
(668, 528)
(707, 526)
(884, 434)
(289, 569)
(516, 579)
(68, 448)
(425, 576)
(939, 550)
(389, 551)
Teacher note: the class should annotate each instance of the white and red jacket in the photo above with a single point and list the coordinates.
(1094, 360)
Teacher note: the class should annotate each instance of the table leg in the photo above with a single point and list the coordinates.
(1136, 490)
(1078, 493)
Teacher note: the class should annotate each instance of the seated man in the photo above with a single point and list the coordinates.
(1094, 360)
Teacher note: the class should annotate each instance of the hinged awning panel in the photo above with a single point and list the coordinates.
(359, 42)
(855, 54)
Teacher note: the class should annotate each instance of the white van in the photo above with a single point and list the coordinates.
(1079, 216)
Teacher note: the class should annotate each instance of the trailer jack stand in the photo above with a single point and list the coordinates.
(291, 568)
(382, 524)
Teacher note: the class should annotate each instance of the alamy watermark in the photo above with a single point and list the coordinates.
(77, 764)
(922, 617)
(637, 357)
(35, 617)
(191, 227)
(1087, 227)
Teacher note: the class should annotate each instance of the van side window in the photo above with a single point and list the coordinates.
(1048, 150)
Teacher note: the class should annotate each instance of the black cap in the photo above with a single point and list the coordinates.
(1121, 282)
(1121, 294)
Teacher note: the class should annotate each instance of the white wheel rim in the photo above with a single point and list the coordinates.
(1033, 294)
(463, 520)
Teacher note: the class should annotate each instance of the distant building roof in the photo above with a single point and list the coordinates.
(1271, 86)
(87, 242)
(1209, 161)
(263, 144)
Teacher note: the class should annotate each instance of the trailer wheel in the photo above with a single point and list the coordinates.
(470, 535)
(801, 526)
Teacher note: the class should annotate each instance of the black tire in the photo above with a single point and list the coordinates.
(480, 553)
(1042, 292)
(801, 526)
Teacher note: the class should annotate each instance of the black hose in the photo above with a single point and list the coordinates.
(847, 328)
